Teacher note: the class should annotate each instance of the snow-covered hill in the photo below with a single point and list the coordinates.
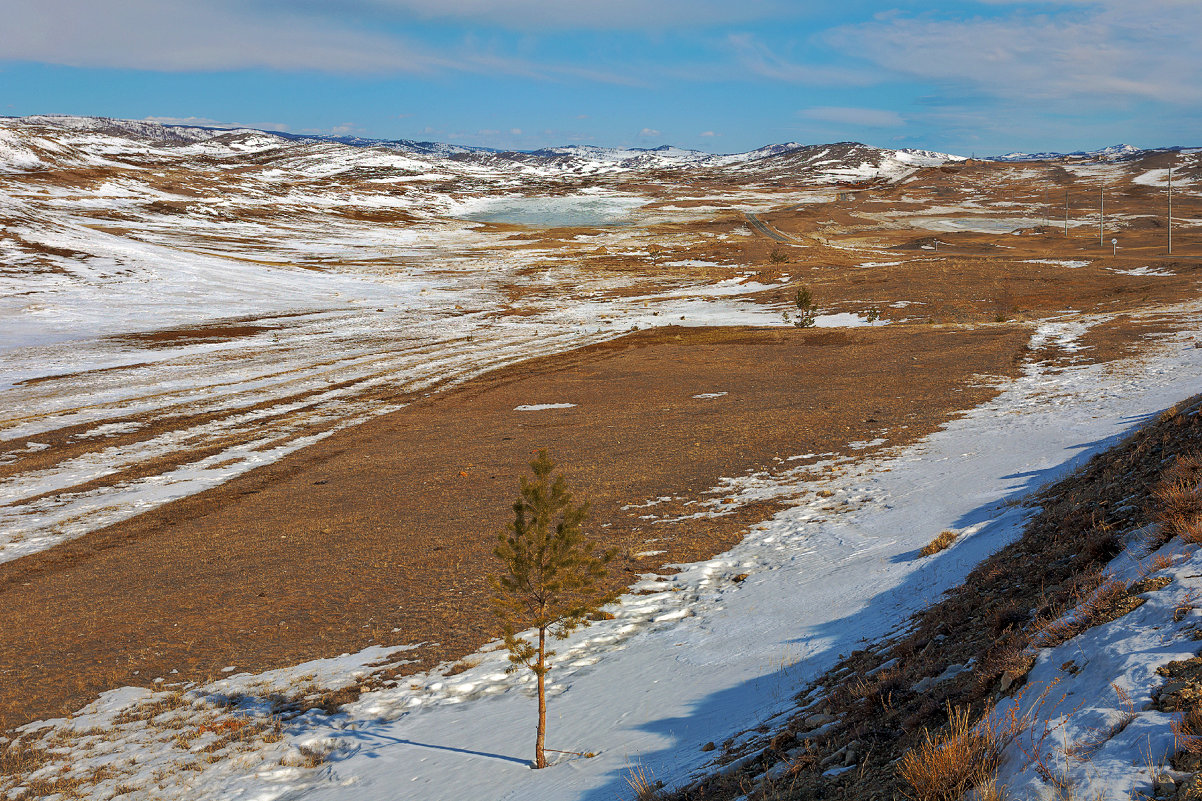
(63, 141)
(847, 162)
(1111, 153)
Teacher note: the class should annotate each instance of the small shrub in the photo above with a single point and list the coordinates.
(944, 767)
(778, 256)
(1011, 615)
(873, 314)
(940, 543)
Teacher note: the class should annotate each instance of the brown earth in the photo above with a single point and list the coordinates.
(375, 535)
(383, 533)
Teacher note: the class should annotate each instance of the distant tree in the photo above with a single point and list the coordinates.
(551, 579)
(804, 301)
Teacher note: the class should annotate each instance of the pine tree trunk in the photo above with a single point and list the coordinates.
(540, 759)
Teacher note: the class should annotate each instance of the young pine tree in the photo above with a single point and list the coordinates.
(550, 579)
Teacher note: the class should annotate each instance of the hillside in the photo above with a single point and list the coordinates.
(1072, 650)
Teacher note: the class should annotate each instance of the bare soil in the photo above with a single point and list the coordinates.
(383, 533)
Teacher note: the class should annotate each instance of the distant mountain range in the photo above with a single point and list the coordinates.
(840, 162)
(1112, 153)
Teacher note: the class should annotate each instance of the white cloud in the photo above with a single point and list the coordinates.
(649, 132)
(707, 133)
(222, 35)
(1097, 51)
(177, 35)
(866, 117)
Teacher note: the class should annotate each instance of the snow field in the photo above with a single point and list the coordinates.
(703, 656)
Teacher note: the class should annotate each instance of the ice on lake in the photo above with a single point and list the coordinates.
(587, 211)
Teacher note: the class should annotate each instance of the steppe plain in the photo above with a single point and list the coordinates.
(264, 401)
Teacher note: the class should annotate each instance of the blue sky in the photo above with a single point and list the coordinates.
(984, 76)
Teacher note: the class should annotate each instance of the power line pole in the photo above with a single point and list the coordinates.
(1170, 209)
(1102, 215)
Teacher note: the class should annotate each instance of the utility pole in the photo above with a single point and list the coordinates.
(1170, 209)
(1102, 215)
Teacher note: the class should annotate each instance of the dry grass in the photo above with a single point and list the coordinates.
(464, 665)
(1180, 501)
(1187, 731)
(946, 766)
(308, 757)
(1095, 599)
(642, 783)
(940, 543)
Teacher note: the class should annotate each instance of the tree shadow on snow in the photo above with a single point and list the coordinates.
(384, 739)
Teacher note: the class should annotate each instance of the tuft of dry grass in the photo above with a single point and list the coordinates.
(1180, 512)
(312, 757)
(1187, 731)
(940, 543)
(642, 782)
(462, 665)
(946, 766)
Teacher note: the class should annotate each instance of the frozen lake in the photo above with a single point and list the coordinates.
(585, 211)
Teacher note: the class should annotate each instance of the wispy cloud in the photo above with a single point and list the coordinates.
(758, 58)
(176, 35)
(222, 35)
(1096, 51)
(865, 117)
(649, 132)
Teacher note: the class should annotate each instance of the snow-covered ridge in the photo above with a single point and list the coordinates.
(23, 141)
(1111, 153)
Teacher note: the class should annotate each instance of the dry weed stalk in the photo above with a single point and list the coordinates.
(1086, 748)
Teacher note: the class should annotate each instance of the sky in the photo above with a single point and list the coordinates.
(969, 77)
